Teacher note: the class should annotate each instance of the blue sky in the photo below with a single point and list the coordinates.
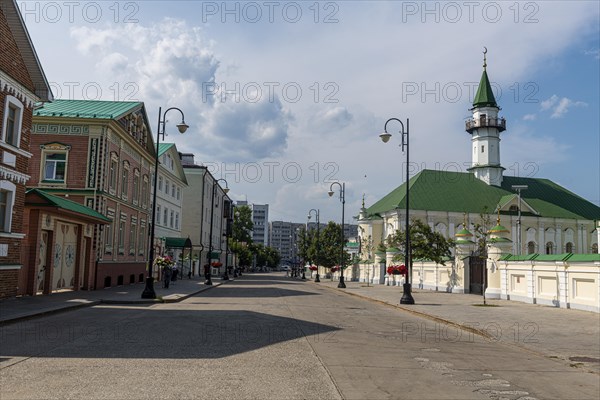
(282, 97)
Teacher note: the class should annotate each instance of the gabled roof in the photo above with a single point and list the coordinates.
(38, 198)
(93, 109)
(172, 148)
(463, 192)
(42, 89)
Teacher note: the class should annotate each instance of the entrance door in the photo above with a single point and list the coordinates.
(476, 271)
(41, 262)
(65, 249)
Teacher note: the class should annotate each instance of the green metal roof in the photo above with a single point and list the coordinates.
(463, 233)
(463, 192)
(93, 109)
(485, 94)
(65, 204)
(552, 257)
(585, 257)
(163, 147)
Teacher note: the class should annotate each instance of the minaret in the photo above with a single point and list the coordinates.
(485, 128)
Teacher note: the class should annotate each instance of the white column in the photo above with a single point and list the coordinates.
(530, 283)
(559, 245)
(563, 284)
(541, 239)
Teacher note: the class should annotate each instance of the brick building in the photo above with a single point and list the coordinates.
(99, 154)
(22, 85)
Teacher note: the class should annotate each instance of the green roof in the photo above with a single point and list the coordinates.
(63, 203)
(463, 233)
(462, 192)
(93, 109)
(485, 94)
(552, 257)
(162, 147)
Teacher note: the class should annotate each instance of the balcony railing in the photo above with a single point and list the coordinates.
(483, 122)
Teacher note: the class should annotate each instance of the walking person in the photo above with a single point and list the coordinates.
(167, 272)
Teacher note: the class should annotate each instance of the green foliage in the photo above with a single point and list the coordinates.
(424, 243)
(266, 255)
(331, 241)
(242, 224)
(242, 252)
(481, 229)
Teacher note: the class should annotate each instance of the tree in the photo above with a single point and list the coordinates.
(241, 236)
(266, 256)
(331, 242)
(242, 224)
(425, 244)
(481, 229)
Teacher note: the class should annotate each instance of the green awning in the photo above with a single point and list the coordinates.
(215, 254)
(180, 243)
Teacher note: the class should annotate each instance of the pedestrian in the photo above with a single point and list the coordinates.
(167, 272)
(175, 273)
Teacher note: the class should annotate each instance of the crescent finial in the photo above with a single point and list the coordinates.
(484, 57)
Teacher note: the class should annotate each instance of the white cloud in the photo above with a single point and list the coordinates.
(560, 106)
(529, 117)
(593, 52)
(174, 64)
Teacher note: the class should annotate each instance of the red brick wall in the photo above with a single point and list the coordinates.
(113, 270)
(11, 60)
(8, 283)
(11, 63)
(77, 161)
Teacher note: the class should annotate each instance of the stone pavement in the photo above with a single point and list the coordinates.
(570, 335)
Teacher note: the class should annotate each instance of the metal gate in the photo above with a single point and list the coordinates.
(476, 274)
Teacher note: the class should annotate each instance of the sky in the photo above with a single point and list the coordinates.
(284, 98)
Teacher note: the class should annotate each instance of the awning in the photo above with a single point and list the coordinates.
(179, 243)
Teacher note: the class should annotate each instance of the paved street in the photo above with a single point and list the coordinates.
(266, 336)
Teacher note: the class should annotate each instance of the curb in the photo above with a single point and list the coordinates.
(48, 312)
(104, 301)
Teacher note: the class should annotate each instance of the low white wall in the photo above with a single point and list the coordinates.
(561, 284)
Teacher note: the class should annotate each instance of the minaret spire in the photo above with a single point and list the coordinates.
(485, 128)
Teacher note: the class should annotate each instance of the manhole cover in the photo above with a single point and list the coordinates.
(585, 359)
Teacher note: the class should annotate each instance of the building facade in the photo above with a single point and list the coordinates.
(260, 221)
(206, 202)
(169, 200)
(541, 217)
(100, 154)
(283, 237)
(23, 84)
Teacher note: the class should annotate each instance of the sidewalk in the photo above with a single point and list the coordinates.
(20, 308)
(570, 335)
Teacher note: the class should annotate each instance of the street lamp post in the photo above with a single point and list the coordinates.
(149, 292)
(210, 232)
(518, 188)
(318, 240)
(385, 137)
(227, 213)
(342, 186)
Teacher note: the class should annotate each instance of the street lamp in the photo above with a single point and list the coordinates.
(518, 188)
(318, 240)
(210, 233)
(342, 186)
(149, 292)
(385, 137)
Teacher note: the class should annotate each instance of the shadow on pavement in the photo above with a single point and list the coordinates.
(262, 291)
(108, 332)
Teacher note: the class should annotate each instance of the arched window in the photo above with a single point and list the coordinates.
(569, 247)
(549, 248)
(514, 208)
(530, 247)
